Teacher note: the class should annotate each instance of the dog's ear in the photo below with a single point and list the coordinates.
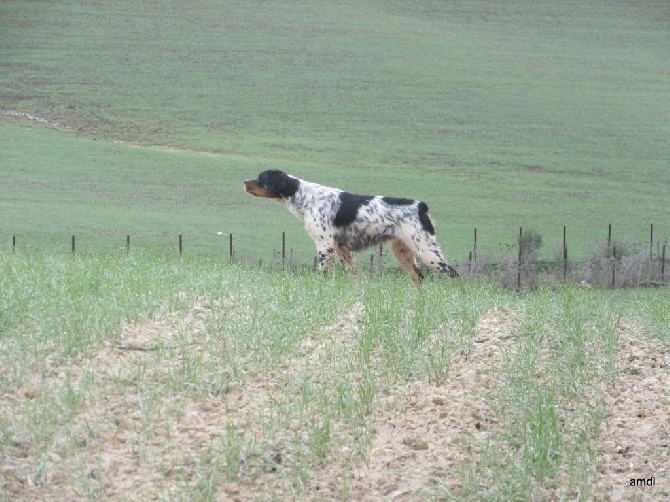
(280, 184)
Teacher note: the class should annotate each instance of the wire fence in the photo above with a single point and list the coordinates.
(611, 263)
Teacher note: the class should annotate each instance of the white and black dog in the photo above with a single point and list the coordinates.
(341, 222)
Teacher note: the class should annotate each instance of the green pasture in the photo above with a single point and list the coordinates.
(55, 185)
(143, 118)
(146, 375)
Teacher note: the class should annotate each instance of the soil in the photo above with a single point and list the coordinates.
(635, 434)
(424, 435)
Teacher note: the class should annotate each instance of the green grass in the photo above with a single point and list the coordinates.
(328, 381)
(567, 348)
(143, 119)
(499, 116)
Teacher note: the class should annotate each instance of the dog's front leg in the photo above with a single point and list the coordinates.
(326, 255)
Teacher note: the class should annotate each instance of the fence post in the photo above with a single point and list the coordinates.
(474, 249)
(181, 248)
(127, 244)
(663, 263)
(518, 275)
(612, 251)
(13, 243)
(651, 243)
(230, 246)
(283, 249)
(73, 244)
(609, 236)
(565, 254)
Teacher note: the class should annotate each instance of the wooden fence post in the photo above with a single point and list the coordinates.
(518, 275)
(609, 236)
(230, 246)
(181, 248)
(283, 249)
(127, 244)
(13, 243)
(651, 243)
(73, 244)
(474, 249)
(565, 254)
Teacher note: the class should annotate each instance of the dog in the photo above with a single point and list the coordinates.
(340, 222)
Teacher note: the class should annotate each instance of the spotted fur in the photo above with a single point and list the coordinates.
(342, 222)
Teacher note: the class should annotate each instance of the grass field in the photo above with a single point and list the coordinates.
(499, 116)
(148, 376)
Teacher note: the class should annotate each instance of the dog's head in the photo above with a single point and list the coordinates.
(273, 184)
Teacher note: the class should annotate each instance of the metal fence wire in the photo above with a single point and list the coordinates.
(610, 264)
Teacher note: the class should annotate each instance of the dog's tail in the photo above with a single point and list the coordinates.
(424, 218)
(427, 225)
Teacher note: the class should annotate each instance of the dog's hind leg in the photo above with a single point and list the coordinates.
(405, 257)
(347, 260)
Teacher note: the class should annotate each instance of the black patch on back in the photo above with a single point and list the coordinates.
(426, 224)
(396, 201)
(349, 206)
(278, 183)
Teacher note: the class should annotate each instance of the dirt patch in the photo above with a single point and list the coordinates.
(635, 433)
(99, 449)
(424, 436)
(137, 437)
(27, 117)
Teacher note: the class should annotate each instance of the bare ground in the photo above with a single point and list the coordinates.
(133, 439)
(635, 434)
